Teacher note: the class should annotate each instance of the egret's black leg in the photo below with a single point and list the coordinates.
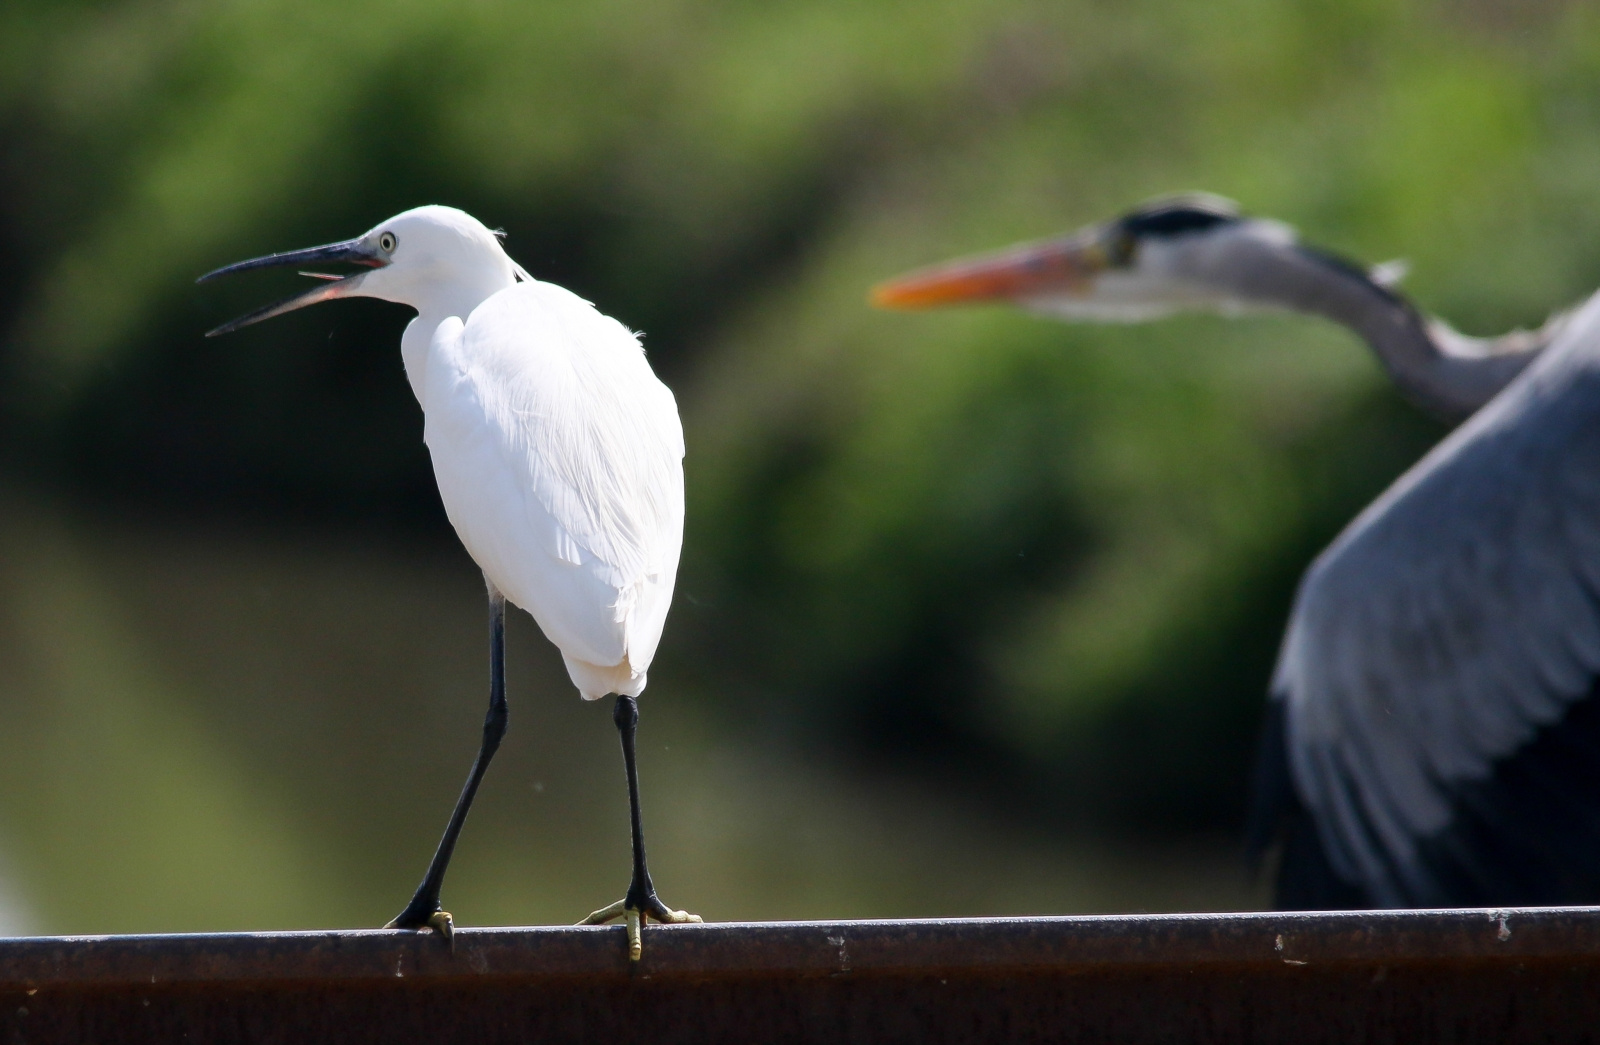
(424, 908)
(641, 891)
(641, 901)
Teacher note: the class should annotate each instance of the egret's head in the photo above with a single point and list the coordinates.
(1179, 252)
(435, 259)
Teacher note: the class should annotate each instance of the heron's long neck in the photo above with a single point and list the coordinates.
(1444, 372)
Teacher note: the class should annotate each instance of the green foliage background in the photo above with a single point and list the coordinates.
(1035, 573)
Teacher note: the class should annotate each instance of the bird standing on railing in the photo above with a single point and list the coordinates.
(559, 458)
(1433, 733)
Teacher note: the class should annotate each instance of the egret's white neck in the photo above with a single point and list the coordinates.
(458, 299)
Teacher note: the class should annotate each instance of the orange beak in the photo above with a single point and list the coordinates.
(1060, 266)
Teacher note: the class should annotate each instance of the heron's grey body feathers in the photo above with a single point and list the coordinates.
(1451, 621)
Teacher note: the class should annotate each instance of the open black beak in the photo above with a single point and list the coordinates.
(350, 252)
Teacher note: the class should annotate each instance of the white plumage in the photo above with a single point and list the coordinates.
(558, 454)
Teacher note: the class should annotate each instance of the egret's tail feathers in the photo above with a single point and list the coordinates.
(597, 680)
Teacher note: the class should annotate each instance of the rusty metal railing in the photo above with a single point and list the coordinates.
(1397, 976)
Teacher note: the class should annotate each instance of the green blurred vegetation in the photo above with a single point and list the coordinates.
(976, 611)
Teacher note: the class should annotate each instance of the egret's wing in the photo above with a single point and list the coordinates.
(1455, 623)
(565, 476)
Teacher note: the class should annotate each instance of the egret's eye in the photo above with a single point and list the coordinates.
(387, 243)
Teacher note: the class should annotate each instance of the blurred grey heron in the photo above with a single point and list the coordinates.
(559, 458)
(1433, 733)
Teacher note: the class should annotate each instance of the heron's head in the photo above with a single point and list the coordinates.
(435, 259)
(1194, 251)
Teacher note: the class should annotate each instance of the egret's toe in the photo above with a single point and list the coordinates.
(635, 922)
(605, 914)
(439, 921)
(662, 913)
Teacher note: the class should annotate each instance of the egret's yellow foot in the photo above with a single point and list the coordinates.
(439, 921)
(635, 918)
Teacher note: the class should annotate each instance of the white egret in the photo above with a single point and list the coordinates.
(559, 458)
(1433, 737)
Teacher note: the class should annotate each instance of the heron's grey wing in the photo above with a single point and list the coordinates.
(1445, 636)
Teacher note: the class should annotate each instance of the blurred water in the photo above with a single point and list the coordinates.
(17, 917)
(252, 730)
